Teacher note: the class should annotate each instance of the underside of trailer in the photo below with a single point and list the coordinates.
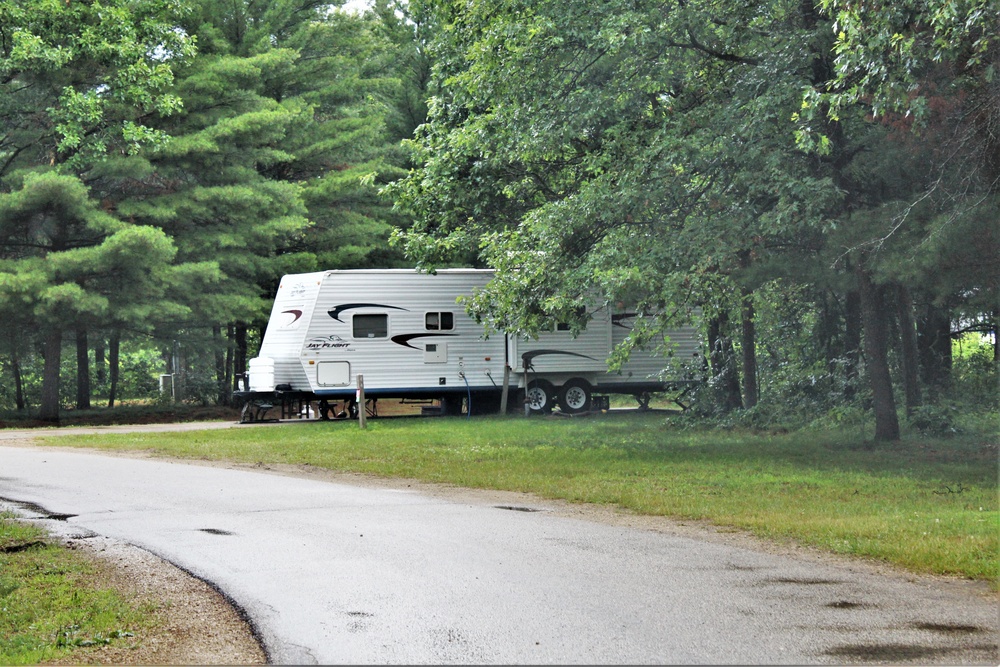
(575, 397)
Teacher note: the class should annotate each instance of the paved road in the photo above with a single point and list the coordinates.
(337, 573)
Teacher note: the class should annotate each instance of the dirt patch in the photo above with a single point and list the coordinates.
(126, 415)
(139, 415)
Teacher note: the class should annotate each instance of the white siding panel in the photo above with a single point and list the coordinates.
(560, 352)
(644, 365)
(400, 360)
(286, 329)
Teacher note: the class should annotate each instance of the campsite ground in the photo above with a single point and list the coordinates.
(199, 627)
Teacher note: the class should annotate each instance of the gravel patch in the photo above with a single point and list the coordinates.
(195, 624)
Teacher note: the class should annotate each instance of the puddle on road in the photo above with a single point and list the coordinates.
(949, 628)
(808, 581)
(37, 509)
(847, 604)
(899, 653)
(517, 508)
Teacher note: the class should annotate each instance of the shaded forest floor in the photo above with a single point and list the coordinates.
(124, 414)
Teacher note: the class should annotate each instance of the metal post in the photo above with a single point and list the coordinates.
(361, 401)
(175, 370)
(527, 387)
(504, 391)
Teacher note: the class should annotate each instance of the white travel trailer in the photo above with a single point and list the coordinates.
(405, 333)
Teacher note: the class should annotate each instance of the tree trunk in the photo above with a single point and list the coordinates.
(230, 335)
(15, 364)
(240, 360)
(934, 347)
(100, 364)
(748, 338)
(749, 348)
(82, 369)
(996, 337)
(113, 349)
(876, 346)
(828, 331)
(722, 361)
(852, 343)
(52, 352)
(908, 348)
(177, 364)
(220, 366)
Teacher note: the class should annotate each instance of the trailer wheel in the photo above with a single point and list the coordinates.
(540, 396)
(575, 396)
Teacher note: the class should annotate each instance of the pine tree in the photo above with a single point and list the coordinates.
(78, 83)
(273, 166)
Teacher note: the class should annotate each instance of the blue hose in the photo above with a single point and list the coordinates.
(468, 413)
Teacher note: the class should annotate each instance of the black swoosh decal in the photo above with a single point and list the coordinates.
(404, 339)
(337, 310)
(296, 313)
(528, 356)
(618, 320)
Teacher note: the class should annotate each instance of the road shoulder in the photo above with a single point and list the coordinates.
(195, 624)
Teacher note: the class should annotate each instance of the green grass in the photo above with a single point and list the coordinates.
(50, 605)
(929, 505)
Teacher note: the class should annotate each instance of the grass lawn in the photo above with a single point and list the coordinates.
(51, 603)
(925, 504)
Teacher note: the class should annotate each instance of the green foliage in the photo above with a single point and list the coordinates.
(640, 151)
(201, 388)
(938, 419)
(140, 366)
(92, 73)
(80, 84)
(140, 373)
(147, 187)
(884, 53)
(975, 372)
(269, 170)
(650, 152)
(139, 370)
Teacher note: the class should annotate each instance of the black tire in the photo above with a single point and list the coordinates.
(576, 396)
(541, 396)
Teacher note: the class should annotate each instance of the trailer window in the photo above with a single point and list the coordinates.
(371, 326)
(439, 321)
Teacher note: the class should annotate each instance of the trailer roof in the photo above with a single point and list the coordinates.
(405, 271)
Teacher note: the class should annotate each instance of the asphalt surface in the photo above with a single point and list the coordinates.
(334, 573)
